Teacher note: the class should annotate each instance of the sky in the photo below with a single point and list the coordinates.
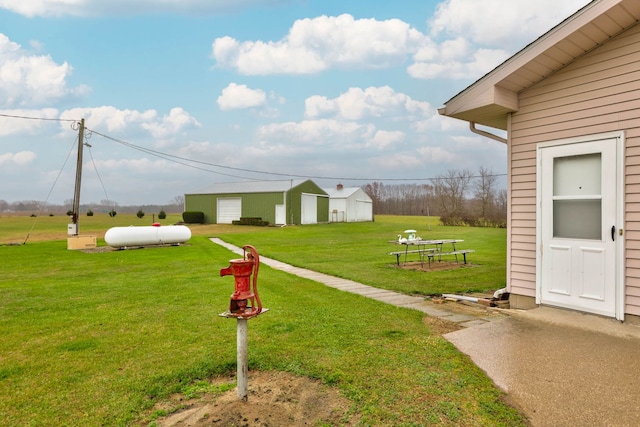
(180, 94)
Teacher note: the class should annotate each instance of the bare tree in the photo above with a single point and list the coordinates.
(375, 191)
(178, 201)
(501, 202)
(450, 190)
(485, 192)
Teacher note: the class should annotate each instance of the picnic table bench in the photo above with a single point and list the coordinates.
(424, 250)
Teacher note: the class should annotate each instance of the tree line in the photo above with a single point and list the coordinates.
(458, 197)
(176, 205)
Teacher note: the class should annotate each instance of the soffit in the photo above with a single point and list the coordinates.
(587, 29)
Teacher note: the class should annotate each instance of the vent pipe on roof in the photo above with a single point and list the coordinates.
(474, 129)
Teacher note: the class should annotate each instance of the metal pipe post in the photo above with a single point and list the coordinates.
(243, 360)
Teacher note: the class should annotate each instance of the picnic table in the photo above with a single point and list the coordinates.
(430, 249)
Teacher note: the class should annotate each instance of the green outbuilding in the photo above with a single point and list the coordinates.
(278, 202)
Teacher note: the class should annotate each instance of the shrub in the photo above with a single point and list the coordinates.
(193, 217)
(50, 214)
(162, 214)
(140, 214)
(69, 212)
(251, 221)
(89, 212)
(453, 221)
(472, 221)
(112, 213)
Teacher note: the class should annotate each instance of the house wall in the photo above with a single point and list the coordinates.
(597, 93)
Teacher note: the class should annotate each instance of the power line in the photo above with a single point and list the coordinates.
(182, 160)
(11, 116)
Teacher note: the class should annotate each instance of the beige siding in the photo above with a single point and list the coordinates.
(598, 93)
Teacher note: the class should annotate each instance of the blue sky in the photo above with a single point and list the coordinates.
(338, 91)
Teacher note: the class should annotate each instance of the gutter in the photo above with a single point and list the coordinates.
(474, 129)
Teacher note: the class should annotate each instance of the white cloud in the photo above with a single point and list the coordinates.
(10, 125)
(316, 44)
(111, 119)
(314, 132)
(386, 139)
(141, 165)
(467, 39)
(434, 154)
(512, 23)
(21, 158)
(471, 37)
(235, 97)
(28, 79)
(373, 102)
(172, 124)
(464, 67)
(33, 8)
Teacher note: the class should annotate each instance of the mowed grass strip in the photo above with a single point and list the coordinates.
(98, 338)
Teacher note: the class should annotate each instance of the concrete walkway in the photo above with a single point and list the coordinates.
(559, 367)
(389, 297)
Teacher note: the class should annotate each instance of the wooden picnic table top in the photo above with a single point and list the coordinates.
(426, 242)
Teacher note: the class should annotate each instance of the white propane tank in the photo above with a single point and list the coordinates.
(119, 237)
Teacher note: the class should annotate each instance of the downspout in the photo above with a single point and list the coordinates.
(474, 129)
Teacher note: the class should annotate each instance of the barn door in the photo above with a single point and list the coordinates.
(228, 210)
(309, 209)
(578, 226)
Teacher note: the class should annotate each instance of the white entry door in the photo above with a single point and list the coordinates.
(281, 215)
(577, 256)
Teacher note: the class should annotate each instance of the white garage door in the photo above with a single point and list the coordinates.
(229, 209)
(309, 209)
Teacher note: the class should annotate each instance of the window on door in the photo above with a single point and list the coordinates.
(577, 197)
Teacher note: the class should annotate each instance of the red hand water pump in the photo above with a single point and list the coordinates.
(245, 302)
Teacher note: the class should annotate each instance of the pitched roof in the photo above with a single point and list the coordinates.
(250, 187)
(489, 100)
(339, 193)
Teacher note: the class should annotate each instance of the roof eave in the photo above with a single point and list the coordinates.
(489, 107)
(483, 103)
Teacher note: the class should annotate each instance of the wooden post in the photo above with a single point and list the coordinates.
(243, 359)
(76, 194)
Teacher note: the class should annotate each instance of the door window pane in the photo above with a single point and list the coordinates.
(577, 219)
(577, 198)
(577, 175)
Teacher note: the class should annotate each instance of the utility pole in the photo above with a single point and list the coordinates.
(74, 229)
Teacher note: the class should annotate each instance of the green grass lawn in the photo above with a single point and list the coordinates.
(94, 339)
(359, 251)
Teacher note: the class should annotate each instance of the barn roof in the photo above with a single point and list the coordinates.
(344, 192)
(489, 100)
(250, 187)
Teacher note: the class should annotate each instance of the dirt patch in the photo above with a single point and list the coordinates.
(433, 266)
(275, 399)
